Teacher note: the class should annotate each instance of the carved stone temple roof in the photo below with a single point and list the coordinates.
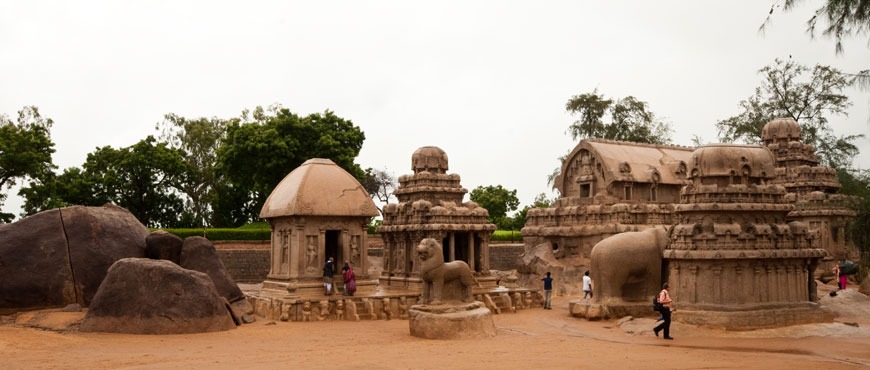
(319, 187)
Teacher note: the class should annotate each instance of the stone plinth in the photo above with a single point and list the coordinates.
(587, 309)
(461, 321)
(753, 317)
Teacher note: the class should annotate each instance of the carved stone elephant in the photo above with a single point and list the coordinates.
(627, 267)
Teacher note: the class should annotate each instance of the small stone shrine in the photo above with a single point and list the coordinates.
(317, 211)
(813, 190)
(734, 260)
(430, 206)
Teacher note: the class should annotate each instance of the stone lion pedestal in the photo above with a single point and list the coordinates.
(451, 321)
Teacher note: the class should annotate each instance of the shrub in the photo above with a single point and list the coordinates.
(224, 234)
(507, 236)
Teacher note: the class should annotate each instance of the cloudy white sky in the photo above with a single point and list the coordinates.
(486, 81)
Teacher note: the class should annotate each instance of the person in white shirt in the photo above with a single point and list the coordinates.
(587, 285)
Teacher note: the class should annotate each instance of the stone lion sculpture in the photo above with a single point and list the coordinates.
(436, 273)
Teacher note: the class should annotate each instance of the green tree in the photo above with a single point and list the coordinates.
(256, 156)
(199, 140)
(857, 183)
(844, 18)
(25, 150)
(541, 201)
(498, 201)
(142, 178)
(809, 96)
(630, 119)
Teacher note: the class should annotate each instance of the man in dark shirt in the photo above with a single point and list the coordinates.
(548, 290)
(328, 271)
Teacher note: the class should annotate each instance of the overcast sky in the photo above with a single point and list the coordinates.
(486, 81)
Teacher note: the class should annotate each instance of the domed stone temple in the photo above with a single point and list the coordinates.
(317, 211)
(812, 188)
(430, 206)
(734, 260)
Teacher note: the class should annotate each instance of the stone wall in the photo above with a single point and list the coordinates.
(246, 261)
(504, 256)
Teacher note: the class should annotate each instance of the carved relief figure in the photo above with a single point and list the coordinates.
(351, 310)
(324, 311)
(306, 311)
(388, 310)
(435, 273)
(311, 255)
(354, 249)
(339, 310)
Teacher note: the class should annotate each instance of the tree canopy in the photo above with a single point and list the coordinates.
(498, 201)
(199, 140)
(844, 18)
(25, 150)
(255, 156)
(630, 119)
(807, 95)
(143, 178)
(379, 184)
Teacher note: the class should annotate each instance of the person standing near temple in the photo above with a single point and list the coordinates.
(665, 300)
(349, 279)
(587, 285)
(328, 271)
(548, 290)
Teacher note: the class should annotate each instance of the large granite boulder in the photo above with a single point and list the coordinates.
(145, 296)
(34, 264)
(61, 256)
(199, 254)
(161, 245)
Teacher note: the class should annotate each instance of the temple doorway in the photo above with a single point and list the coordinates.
(333, 246)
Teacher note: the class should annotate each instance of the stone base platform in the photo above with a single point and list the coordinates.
(750, 319)
(591, 311)
(451, 321)
(379, 303)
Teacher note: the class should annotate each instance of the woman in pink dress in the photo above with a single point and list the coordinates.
(349, 280)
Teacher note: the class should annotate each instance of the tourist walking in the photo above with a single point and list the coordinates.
(548, 290)
(349, 279)
(665, 300)
(587, 285)
(841, 275)
(328, 271)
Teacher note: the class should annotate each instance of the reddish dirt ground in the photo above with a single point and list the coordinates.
(533, 338)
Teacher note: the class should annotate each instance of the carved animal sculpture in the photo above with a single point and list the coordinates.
(435, 273)
(627, 267)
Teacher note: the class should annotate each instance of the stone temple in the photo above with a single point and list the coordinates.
(734, 260)
(430, 206)
(317, 211)
(813, 190)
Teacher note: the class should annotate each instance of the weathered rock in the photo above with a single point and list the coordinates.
(61, 256)
(34, 264)
(144, 296)
(161, 245)
(97, 238)
(198, 254)
(467, 321)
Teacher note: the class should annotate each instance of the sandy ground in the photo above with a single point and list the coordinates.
(533, 338)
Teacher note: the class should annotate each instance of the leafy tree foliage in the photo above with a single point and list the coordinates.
(844, 18)
(142, 178)
(379, 184)
(630, 119)
(858, 183)
(498, 201)
(541, 201)
(199, 140)
(25, 150)
(806, 95)
(256, 156)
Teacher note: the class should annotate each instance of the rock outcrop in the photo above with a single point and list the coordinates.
(145, 296)
(61, 256)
